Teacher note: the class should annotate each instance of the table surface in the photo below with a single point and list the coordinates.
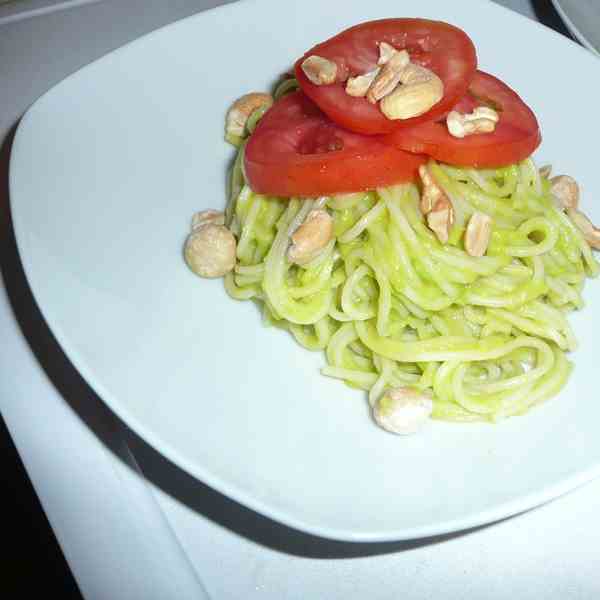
(164, 534)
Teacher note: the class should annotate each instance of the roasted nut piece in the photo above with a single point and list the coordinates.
(590, 232)
(477, 235)
(241, 109)
(565, 192)
(319, 70)
(206, 217)
(482, 120)
(386, 51)
(441, 218)
(403, 410)
(388, 77)
(210, 250)
(431, 192)
(311, 237)
(545, 171)
(359, 86)
(420, 90)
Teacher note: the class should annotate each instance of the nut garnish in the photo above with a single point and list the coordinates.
(421, 90)
(590, 232)
(403, 410)
(242, 108)
(545, 171)
(311, 237)
(477, 234)
(431, 193)
(441, 218)
(390, 75)
(319, 70)
(482, 120)
(565, 191)
(359, 86)
(386, 51)
(206, 217)
(403, 89)
(209, 250)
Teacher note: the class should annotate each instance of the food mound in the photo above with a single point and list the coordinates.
(384, 208)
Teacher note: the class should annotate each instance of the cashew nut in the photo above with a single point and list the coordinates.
(431, 192)
(359, 86)
(319, 70)
(311, 237)
(477, 234)
(441, 218)
(565, 192)
(209, 250)
(205, 217)
(403, 410)
(421, 90)
(482, 120)
(386, 51)
(389, 76)
(241, 109)
(590, 232)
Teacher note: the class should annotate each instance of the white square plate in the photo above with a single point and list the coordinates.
(106, 170)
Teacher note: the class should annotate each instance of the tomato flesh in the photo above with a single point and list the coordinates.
(516, 136)
(438, 46)
(297, 151)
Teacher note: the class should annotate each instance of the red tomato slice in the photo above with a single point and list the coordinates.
(516, 136)
(297, 151)
(438, 46)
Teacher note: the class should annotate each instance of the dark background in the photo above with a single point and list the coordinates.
(34, 560)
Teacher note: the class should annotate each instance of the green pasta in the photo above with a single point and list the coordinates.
(391, 306)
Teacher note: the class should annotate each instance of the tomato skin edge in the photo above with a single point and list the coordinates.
(296, 179)
(465, 159)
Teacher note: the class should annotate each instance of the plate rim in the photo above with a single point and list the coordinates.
(490, 515)
(574, 29)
